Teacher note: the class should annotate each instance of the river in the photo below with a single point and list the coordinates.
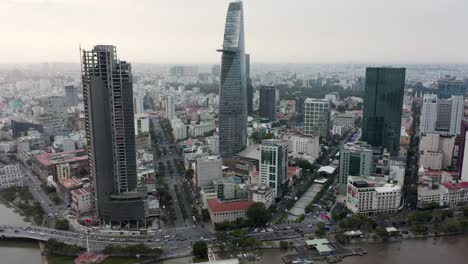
(452, 249)
(21, 252)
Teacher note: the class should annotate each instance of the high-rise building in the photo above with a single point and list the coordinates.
(461, 146)
(209, 169)
(108, 99)
(317, 117)
(444, 111)
(428, 113)
(274, 165)
(300, 108)
(383, 102)
(71, 95)
(250, 90)
(233, 89)
(456, 114)
(449, 85)
(170, 108)
(355, 160)
(267, 102)
(138, 104)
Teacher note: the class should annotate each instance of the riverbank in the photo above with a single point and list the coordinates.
(23, 203)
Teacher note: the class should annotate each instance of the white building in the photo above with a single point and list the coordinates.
(344, 120)
(274, 165)
(456, 115)
(68, 145)
(371, 195)
(138, 104)
(10, 176)
(304, 146)
(337, 130)
(263, 194)
(428, 113)
(141, 125)
(436, 151)
(227, 211)
(170, 108)
(443, 194)
(179, 129)
(82, 200)
(317, 117)
(208, 169)
(214, 143)
(196, 130)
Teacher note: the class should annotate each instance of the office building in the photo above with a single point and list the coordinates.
(227, 211)
(82, 200)
(233, 90)
(142, 125)
(456, 116)
(442, 194)
(300, 108)
(368, 195)
(355, 160)
(71, 95)
(449, 85)
(317, 117)
(179, 129)
(250, 89)
(110, 130)
(10, 176)
(209, 169)
(444, 112)
(138, 104)
(21, 128)
(263, 194)
(301, 146)
(170, 108)
(274, 165)
(383, 102)
(267, 102)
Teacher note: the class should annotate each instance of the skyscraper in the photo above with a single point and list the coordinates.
(317, 117)
(355, 160)
(233, 88)
(449, 85)
(108, 100)
(170, 108)
(250, 91)
(274, 165)
(456, 116)
(71, 95)
(268, 102)
(383, 101)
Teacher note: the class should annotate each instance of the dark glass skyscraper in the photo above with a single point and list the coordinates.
(383, 101)
(268, 102)
(250, 90)
(233, 88)
(110, 132)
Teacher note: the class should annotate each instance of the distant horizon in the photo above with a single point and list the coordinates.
(181, 31)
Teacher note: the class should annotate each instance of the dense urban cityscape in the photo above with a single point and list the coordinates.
(110, 161)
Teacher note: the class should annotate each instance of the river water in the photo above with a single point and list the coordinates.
(450, 250)
(12, 252)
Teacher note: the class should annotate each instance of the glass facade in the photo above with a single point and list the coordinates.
(233, 89)
(383, 101)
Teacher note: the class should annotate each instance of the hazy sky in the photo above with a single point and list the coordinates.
(190, 31)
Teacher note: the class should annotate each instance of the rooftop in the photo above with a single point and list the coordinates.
(70, 183)
(458, 185)
(217, 206)
(82, 191)
(322, 245)
(48, 159)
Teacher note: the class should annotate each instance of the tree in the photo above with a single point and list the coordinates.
(320, 231)
(200, 250)
(258, 214)
(205, 214)
(62, 224)
(284, 244)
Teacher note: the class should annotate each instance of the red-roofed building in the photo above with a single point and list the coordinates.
(65, 186)
(61, 165)
(227, 211)
(294, 173)
(90, 258)
(444, 194)
(82, 200)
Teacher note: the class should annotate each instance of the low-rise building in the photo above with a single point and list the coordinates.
(65, 186)
(371, 195)
(61, 165)
(442, 194)
(82, 200)
(196, 130)
(208, 169)
(303, 146)
(227, 211)
(10, 176)
(263, 194)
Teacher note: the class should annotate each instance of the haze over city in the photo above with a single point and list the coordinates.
(182, 31)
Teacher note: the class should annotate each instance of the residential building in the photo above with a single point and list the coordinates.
(179, 129)
(436, 151)
(142, 125)
(456, 114)
(449, 85)
(82, 200)
(317, 117)
(383, 102)
(233, 90)
(110, 130)
(267, 102)
(208, 170)
(71, 95)
(274, 165)
(355, 160)
(170, 108)
(368, 195)
(227, 211)
(138, 104)
(10, 176)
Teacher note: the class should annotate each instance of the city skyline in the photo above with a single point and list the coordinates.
(157, 31)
